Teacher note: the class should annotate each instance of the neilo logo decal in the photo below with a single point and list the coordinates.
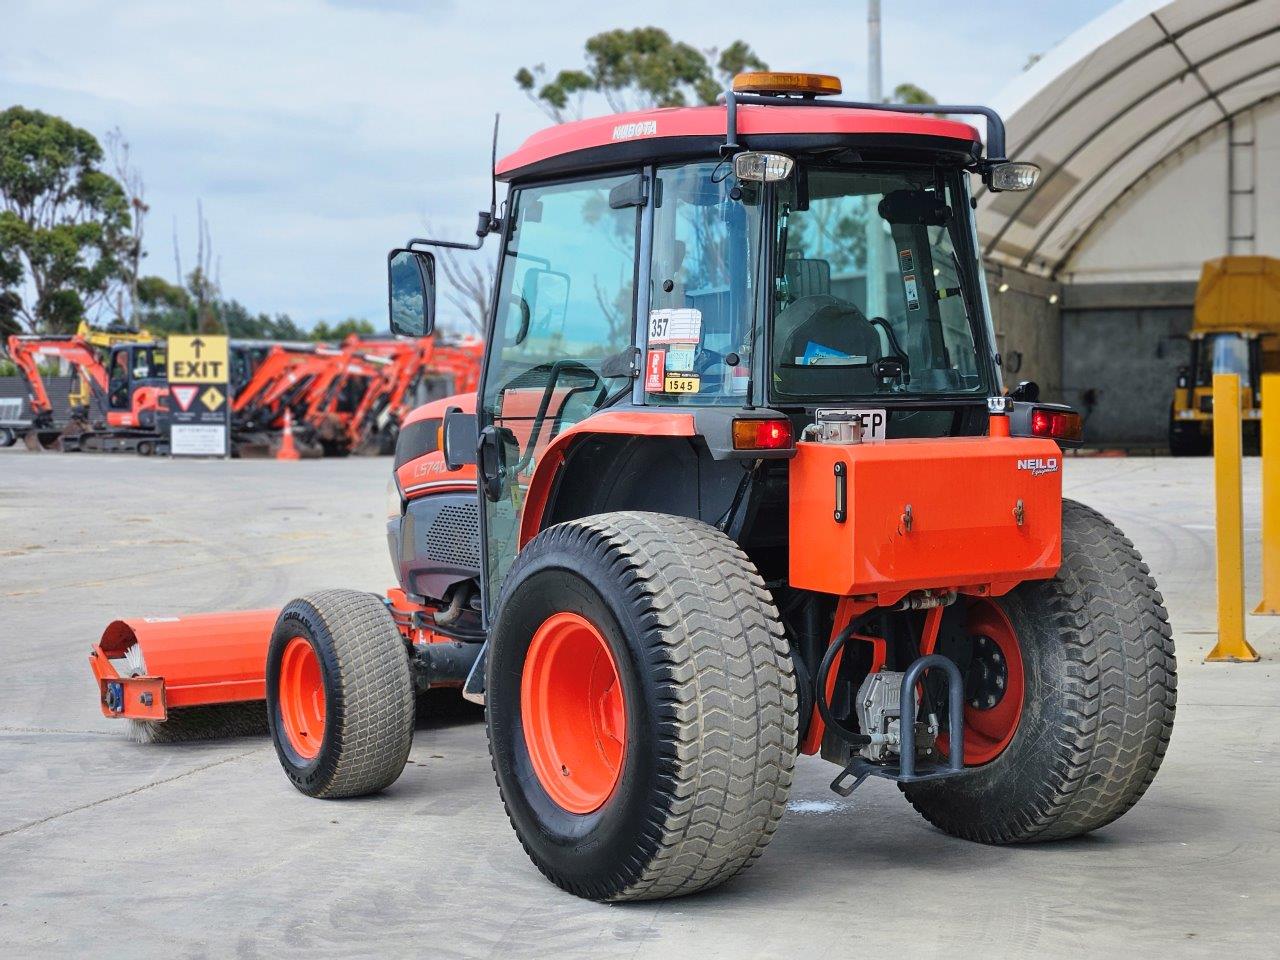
(1039, 465)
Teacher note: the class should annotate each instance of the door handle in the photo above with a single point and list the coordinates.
(493, 471)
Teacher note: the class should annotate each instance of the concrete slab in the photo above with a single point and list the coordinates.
(112, 848)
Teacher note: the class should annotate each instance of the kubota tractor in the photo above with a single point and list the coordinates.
(747, 484)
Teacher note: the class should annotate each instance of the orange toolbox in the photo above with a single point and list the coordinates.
(876, 520)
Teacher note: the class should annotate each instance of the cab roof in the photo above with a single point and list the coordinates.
(677, 132)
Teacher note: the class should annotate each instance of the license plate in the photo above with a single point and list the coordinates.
(873, 421)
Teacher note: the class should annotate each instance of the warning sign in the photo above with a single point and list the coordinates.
(212, 398)
(198, 367)
(654, 370)
(183, 395)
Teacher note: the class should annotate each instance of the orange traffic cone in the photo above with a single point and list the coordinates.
(287, 449)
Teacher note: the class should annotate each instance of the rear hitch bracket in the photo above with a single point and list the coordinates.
(905, 770)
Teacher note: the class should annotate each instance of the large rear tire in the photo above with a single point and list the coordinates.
(1097, 711)
(661, 761)
(340, 694)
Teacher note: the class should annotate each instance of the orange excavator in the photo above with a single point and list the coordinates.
(120, 406)
(347, 399)
(412, 368)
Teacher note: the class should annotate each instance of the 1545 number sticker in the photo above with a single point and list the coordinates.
(683, 384)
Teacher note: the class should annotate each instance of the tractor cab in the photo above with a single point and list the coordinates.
(728, 274)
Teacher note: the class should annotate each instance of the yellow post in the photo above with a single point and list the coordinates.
(1270, 495)
(1228, 489)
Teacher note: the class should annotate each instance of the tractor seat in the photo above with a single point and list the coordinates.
(827, 347)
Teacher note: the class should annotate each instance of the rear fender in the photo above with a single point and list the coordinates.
(618, 423)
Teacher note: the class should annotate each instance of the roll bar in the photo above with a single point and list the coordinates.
(995, 125)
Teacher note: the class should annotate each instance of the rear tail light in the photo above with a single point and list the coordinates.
(762, 435)
(1057, 424)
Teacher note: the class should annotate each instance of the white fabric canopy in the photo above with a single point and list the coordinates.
(1125, 95)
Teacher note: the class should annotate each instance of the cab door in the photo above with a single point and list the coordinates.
(565, 305)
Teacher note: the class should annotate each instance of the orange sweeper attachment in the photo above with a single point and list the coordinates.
(203, 676)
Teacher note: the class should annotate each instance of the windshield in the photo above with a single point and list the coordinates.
(1228, 353)
(870, 298)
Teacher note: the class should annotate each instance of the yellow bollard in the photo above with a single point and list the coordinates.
(1270, 495)
(1228, 489)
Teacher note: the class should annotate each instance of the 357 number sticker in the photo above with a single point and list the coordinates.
(683, 325)
(683, 384)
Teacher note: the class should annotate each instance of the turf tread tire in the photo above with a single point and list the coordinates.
(725, 714)
(369, 710)
(1092, 738)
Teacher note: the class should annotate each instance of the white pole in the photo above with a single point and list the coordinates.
(877, 304)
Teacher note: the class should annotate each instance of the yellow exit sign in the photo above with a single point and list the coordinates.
(198, 359)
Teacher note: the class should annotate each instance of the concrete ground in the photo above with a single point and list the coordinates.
(110, 848)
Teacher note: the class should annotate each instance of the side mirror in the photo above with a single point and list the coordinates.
(411, 292)
(460, 437)
(1026, 390)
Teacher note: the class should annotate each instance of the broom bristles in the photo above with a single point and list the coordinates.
(222, 721)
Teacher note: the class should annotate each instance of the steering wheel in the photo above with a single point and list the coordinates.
(548, 391)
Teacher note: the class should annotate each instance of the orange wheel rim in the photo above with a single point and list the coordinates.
(302, 698)
(995, 685)
(573, 712)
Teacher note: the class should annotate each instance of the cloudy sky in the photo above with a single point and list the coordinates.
(320, 133)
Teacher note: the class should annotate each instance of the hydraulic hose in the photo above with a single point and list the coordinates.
(820, 692)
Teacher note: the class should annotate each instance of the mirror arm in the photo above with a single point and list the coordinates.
(488, 220)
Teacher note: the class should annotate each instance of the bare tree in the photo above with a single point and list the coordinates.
(202, 282)
(471, 284)
(130, 178)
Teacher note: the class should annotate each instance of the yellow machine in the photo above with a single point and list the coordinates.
(1236, 330)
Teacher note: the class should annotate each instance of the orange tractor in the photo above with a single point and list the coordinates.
(741, 481)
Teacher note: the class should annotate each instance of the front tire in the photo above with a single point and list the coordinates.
(674, 718)
(340, 695)
(1097, 713)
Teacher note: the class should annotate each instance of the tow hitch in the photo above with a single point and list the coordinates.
(880, 713)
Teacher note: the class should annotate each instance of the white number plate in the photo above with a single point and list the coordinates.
(873, 421)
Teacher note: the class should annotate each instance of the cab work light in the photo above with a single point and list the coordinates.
(762, 167)
(762, 435)
(1013, 176)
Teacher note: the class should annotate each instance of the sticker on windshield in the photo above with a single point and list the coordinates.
(653, 371)
(683, 384)
(913, 291)
(680, 358)
(683, 325)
